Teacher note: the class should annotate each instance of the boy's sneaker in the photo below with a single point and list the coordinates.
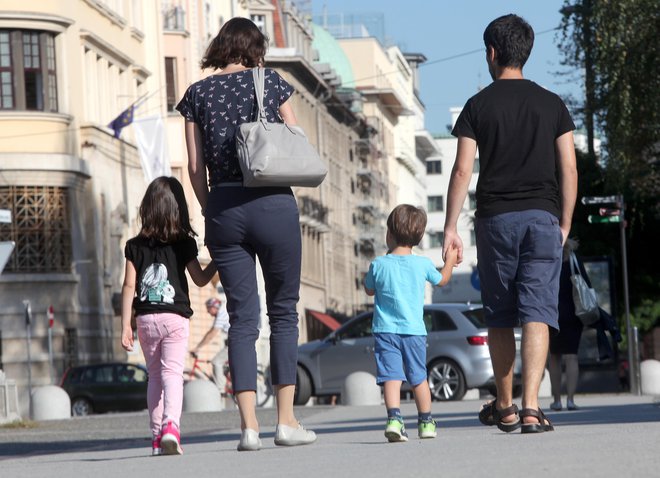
(395, 431)
(156, 450)
(426, 429)
(170, 440)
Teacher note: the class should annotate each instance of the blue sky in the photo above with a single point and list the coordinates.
(443, 28)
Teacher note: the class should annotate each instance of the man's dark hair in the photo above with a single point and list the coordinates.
(512, 39)
(239, 41)
(406, 224)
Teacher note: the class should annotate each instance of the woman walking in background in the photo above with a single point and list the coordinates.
(245, 223)
(567, 341)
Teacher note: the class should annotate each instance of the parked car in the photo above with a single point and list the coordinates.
(106, 387)
(457, 354)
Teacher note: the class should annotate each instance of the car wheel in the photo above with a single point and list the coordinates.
(446, 380)
(81, 407)
(303, 387)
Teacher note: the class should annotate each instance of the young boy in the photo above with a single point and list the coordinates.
(398, 280)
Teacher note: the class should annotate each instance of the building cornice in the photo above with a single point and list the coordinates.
(35, 21)
(106, 48)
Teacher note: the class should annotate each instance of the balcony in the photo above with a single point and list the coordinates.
(313, 214)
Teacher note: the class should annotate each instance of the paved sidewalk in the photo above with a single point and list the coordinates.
(610, 436)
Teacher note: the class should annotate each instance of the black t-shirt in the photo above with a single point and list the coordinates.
(161, 284)
(515, 124)
(219, 104)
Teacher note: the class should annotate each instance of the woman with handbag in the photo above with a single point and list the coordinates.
(567, 341)
(244, 223)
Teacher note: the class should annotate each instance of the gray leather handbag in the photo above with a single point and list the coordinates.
(276, 154)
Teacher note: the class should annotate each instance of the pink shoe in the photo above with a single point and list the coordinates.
(170, 440)
(156, 450)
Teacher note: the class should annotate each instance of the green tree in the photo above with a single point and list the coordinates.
(616, 43)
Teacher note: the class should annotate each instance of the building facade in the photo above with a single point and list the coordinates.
(73, 187)
(67, 69)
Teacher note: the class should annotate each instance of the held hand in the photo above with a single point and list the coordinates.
(451, 256)
(564, 235)
(452, 241)
(193, 353)
(127, 339)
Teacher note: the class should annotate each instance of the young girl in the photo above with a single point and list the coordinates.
(156, 261)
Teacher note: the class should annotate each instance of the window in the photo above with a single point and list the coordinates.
(437, 321)
(170, 82)
(358, 329)
(28, 77)
(436, 204)
(41, 228)
(174, 19)
(6, 87)
(260, 22)
(472, 198)
(436, 239)
(433, 167)
(98, 374)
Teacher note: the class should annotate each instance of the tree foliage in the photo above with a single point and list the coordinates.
(619, 40)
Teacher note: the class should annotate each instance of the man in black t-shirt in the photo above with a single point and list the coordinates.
(525, 198)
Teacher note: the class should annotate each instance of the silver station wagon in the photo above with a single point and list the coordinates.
(457, 354)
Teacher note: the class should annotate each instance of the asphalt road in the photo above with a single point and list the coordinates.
(610, 436)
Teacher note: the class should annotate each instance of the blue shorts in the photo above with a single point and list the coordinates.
(400, 357)
(519, 261)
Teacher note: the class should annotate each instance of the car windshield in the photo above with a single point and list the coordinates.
(476, 316)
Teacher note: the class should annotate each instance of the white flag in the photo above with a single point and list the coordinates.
(152, 146)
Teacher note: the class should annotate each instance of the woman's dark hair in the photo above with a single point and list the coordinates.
(406, 224)
(239, 41)
(164, 212)
(512, 39)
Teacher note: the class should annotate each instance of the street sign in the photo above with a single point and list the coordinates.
(5, 251)
(50, 313)
(609, 211)
(593, 219)
(5, 216)
(600, 200)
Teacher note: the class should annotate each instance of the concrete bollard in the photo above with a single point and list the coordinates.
(201, 396)
(545, 390)
(360, 389)
(650, 376)
(50, 403)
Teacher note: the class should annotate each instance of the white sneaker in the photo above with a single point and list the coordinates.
(249, 440)
(289, 436)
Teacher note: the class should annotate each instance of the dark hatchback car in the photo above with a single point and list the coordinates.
(457, 354)
(107, 387)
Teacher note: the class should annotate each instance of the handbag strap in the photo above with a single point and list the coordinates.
(259, 76)
(575, 269)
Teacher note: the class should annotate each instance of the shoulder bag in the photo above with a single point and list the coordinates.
(584, 297)
(276, 154)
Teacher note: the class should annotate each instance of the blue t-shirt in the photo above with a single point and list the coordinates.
(399, 283)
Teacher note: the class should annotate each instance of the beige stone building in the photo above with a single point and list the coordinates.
(69, 67)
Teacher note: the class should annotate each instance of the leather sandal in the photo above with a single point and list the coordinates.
(490, 415)
(544, 424)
